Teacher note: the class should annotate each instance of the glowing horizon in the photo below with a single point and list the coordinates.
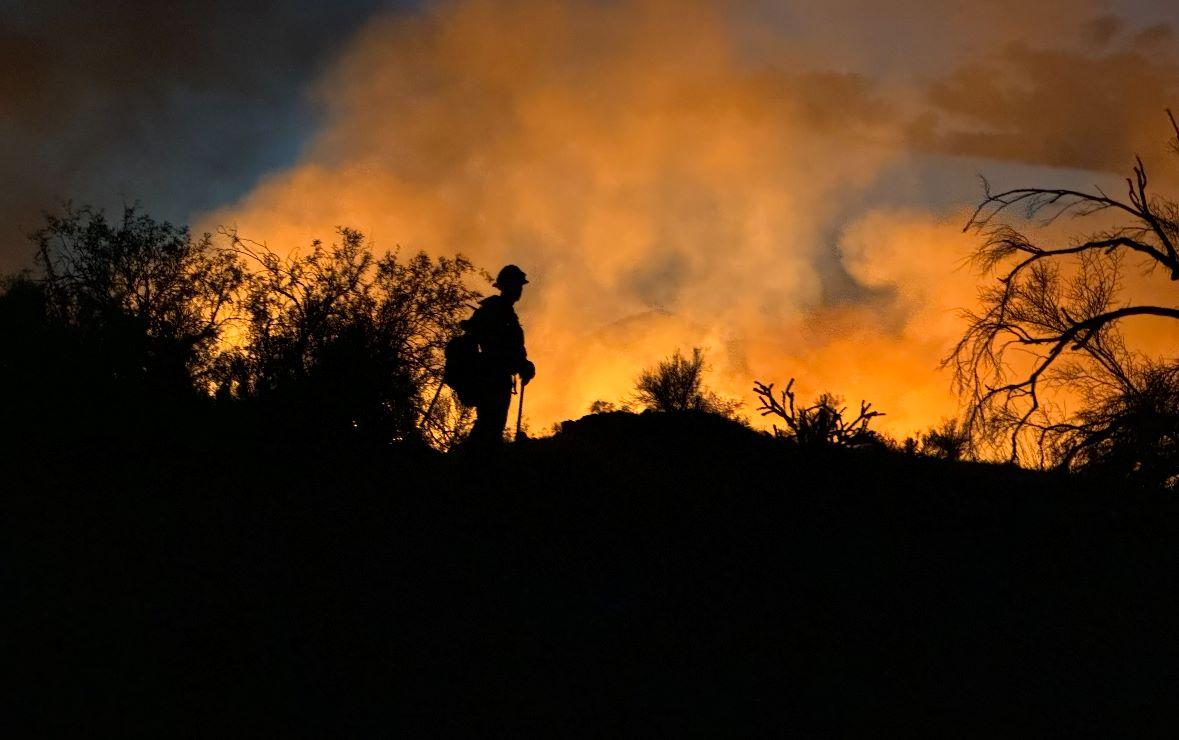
(675, 175)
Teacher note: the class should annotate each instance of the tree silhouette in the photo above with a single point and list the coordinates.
(343, 340)
(43, 365)
(947, 441)
(152, 301)
(1133, 432)
(677, 384)
(1051, 326)
(602, 406)
(824, 422)
(135, 321)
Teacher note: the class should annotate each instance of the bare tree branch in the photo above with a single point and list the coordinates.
(1050, 324)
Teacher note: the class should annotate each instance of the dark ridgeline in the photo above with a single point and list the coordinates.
(226, 509)
(656, 573)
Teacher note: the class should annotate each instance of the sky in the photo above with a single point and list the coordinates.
(781, 183)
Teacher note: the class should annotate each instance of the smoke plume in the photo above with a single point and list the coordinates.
(731, 176)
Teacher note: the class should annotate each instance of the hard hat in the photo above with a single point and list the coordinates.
(510, 275)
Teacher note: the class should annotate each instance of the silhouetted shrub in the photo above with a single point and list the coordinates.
(1133, 433)
(134, 321)
(43, 368)
(150, 301)
(949, 441)
(339, 339)
(677, 384)
(822, 423)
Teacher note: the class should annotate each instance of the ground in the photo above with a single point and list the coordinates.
(634, 574)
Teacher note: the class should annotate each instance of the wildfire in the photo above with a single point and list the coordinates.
(660, 196)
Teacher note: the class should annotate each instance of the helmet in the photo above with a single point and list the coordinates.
(509, 276)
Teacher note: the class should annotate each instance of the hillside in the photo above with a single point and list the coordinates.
(634, 574)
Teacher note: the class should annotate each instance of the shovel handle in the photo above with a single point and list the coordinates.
(520, 411)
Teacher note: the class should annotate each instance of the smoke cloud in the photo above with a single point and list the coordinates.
(782, 185)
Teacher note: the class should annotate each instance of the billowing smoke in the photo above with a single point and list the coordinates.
(678, 174)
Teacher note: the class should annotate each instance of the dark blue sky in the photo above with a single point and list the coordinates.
(177, 105)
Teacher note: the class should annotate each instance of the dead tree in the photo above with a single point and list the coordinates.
(1049, 327)
(822, 423)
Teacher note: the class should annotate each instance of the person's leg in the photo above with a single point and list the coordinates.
(491, 415)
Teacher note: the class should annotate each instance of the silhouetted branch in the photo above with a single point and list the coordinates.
(1036, 315)
(820, 424)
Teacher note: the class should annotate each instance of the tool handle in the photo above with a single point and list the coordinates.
(520, 412)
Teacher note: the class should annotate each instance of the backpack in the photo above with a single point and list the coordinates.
(463, 369)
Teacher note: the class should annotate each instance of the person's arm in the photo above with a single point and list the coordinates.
(524, 368)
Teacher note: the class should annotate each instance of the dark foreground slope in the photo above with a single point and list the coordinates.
(632, 575)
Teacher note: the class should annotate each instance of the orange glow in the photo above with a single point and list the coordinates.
(659, 192)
